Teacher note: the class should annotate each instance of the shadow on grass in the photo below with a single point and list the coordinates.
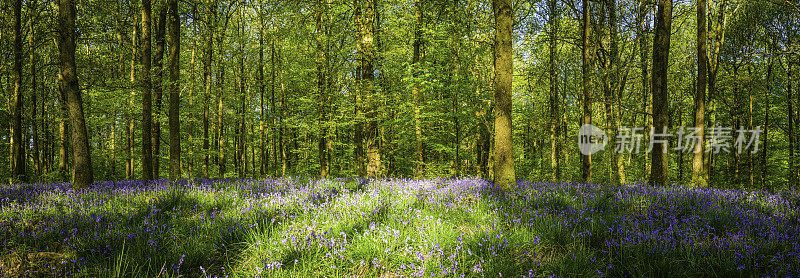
(173, 233)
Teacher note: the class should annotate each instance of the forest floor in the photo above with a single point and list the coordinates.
(299, 227)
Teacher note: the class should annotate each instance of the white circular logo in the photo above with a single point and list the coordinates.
(591, 139)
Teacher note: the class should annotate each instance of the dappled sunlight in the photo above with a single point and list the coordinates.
(396, 227)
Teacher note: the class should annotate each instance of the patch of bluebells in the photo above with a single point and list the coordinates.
(416, 228)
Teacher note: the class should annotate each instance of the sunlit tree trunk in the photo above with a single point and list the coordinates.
(82, 160)
(321, 26)
(553, 99)
(158, 57)
(699, 175)
(504, 71)
(415, 91)
(207, 67)
(661, 45)
(586, 159)
(174, 91)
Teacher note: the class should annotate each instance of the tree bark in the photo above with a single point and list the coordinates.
(586, 159)
(504, 71)
(161, 13)
(20, 170)
(322, 90)
(661, 45)
(555, 144)
(210, 19)
(790, 107)
(34, 98)
(147, 113)
(699, 175)
(82, 160)
(370, 101)
(415, 91)
(263, 157)
(130, 116)
(174, 91)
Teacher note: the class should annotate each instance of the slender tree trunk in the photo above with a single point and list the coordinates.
(242, 126)
(282, 116)
(790, 111)
(555, 150)
(719, 40)
(34, 100)
(586, 159)
(750, 159)
(81, 155)
(221, 159)
(616, 87)
(370, 102)
(263, 165)
(358, 136)
(661, 45)
(767, 93)
(158, 58)
(276, 130)
(415, 91)
(130, 116)
(174, 91)
(192, 83)
(210, 22)
(322, 100)
(147, 113)
(699, 175)
(20, 170)
(504, 71)
(642, 30)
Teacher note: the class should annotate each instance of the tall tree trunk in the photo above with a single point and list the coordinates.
(358, 136)
(790, 111)
(699, 175)
(192, 83)
(20, 171)
(82, 159)
(174, 91)
(130, 116)
(322, 97)
(454, 91)
(555, 144)
(210, 26)
(34, 100)
(415, 91)
(242, 126)
(221, 159)
(275, 120)
(147, 113)
(282, 116)
(158, 58)
(370, 102)
(767, 93)
(263, 164)
(614, 88)
(661, 45)
(642, 31)
(719, 40)
(586, 159)
(504, 71)
(750, 156)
